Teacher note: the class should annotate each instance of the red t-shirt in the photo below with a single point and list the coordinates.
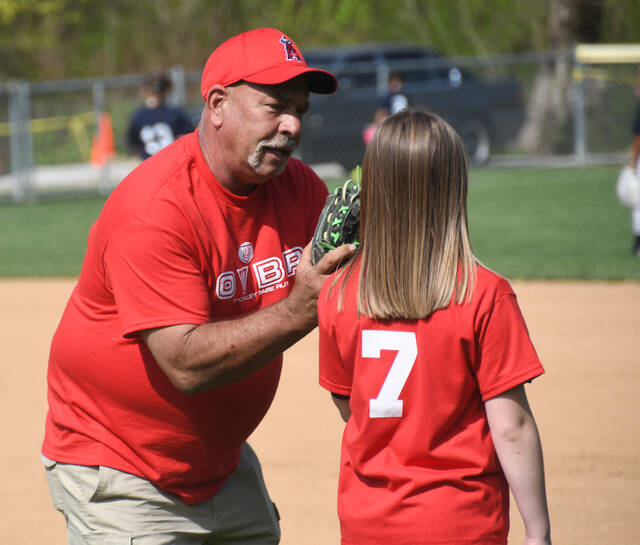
(418, 465)
(172, 246)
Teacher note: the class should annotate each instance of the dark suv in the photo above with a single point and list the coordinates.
(487, 112)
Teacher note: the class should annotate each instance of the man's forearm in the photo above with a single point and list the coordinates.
(215, 354)
(220, 353)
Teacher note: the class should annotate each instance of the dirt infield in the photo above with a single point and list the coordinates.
(587, 406)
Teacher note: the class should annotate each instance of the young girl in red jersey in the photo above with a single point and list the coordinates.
(426, 353)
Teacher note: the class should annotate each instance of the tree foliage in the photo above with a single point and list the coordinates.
(51, 39)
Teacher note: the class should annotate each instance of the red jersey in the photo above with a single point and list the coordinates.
(172, 246)
(418, 465)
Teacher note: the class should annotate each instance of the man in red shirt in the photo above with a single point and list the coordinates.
(197, 277)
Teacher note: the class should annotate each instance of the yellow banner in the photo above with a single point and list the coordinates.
(608, 53)
(55, 123)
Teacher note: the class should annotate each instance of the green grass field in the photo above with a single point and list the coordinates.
(552, 224)
(525, 224)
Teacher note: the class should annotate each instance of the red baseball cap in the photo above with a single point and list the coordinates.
(264, 56)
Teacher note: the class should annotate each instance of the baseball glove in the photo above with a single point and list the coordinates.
(339, 220)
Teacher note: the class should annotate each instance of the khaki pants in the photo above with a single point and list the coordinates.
(105, 506)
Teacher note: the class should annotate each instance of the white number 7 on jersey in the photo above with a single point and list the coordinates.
(388, 404)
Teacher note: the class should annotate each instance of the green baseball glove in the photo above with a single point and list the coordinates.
(339, 221)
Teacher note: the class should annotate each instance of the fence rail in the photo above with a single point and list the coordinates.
(47, 128)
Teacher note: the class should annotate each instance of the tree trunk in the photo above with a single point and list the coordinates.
(549, 123)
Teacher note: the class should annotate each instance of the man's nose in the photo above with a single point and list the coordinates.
(291, 125)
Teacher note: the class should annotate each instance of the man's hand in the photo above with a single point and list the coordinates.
(303, 298)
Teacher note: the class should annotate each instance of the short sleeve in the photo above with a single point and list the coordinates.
(155, 280)
(507, 355)
(333, 375)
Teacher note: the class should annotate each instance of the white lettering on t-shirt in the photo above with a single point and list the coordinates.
(292, 260)
(226, 285)
(268, 271)
(269, 275)
(388, 403)
(242, 274)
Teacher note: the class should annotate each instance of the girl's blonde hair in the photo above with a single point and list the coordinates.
(415, 253)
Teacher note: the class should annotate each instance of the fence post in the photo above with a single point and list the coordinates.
(382, 78)
(580, 122)
(21, 140)
(178, 95)
(99, 106)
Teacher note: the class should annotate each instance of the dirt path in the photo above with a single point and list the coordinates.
(587, 406)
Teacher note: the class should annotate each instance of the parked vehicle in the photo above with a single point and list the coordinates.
(487, 112)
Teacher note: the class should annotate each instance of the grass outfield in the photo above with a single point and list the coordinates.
(552, 224)
(525, 224)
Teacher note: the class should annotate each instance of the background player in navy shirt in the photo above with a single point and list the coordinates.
(156, 124)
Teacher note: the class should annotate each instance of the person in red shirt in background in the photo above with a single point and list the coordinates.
(197, 276)
(426, 353)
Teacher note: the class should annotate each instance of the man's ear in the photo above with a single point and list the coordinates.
(216, 99)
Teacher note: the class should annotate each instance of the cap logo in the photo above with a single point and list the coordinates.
(290, 50)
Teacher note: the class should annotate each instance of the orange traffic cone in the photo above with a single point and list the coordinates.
(103, 147)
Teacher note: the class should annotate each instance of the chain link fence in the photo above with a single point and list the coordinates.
(499, 105)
